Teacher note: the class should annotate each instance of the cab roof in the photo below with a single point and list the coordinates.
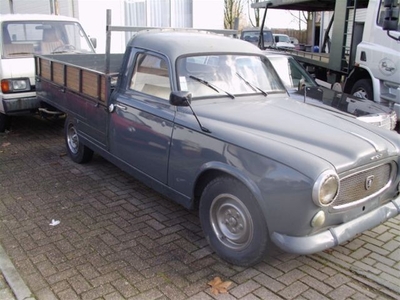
(175, 43)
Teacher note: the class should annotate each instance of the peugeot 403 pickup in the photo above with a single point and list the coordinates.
(206, 121)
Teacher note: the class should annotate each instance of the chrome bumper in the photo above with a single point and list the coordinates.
(337, 235)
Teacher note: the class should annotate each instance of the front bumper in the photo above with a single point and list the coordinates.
(20, 104)
(339, 234)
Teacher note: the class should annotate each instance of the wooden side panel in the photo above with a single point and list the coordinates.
(45, 68)
(58, 73)
(86, 82)
(103, 95)
(73, 78)
(90, 84)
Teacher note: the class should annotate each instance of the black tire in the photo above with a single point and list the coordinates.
(5, 122)
(78, 152)
(363, 89)
(232, 222)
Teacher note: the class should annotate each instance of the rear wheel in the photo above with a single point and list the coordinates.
(233, 222)
(78, 152)
(363, 89)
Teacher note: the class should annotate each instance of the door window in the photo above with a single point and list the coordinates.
(151, 76)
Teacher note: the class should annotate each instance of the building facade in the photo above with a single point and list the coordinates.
(204, 14)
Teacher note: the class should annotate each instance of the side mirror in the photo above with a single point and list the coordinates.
(181, 98)
(301, 85)
(94, 42)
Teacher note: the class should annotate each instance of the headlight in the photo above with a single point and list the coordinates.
(326, 188)
(15, 85)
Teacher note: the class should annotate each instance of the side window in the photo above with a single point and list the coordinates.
(151, 76)
(381, 17)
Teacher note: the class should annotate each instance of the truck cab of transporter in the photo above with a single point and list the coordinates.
(22, 36)
(363, 38)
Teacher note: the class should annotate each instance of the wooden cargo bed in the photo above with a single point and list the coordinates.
(84, 74)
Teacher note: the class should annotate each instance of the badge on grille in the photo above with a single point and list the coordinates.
(368, 182)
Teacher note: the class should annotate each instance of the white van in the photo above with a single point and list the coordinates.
(22, 36)
(283, 41)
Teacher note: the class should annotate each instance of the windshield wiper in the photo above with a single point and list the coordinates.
(255, 88)
(211, 86)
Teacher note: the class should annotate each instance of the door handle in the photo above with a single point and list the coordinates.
(121, 106)
(112, 107)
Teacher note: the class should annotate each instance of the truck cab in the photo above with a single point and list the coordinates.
(22, 36)
(364, 52)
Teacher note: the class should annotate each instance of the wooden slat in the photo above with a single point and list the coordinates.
(89, 84)
(73, 78)
(103, 94)
(45, 68)
(58, 73)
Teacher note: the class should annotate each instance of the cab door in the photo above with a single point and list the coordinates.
(141, 119)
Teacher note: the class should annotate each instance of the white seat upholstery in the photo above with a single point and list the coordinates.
(49, 47)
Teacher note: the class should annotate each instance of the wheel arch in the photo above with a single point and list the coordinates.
(356, 74)
(212, 170)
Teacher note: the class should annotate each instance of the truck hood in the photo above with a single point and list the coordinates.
(341, 141)
(18, 68)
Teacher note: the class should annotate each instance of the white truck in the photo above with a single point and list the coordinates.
(364, 51)
(22, 36)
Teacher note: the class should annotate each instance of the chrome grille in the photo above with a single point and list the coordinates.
(354, 187)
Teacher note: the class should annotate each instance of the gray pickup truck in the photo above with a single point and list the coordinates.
(206, 121)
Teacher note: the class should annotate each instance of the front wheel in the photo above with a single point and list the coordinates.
(78, 152)
(5, 122)
(363, 89)
(233, 222)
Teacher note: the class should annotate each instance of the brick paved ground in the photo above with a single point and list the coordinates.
(117, 239)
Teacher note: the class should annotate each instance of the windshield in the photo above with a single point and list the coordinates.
(227, 75)
(283, 38)
(25, 38)
(291, 72)
(252, 36)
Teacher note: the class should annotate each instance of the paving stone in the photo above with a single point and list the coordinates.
(291, 276)
(395, 255)
(342, 292)
(337, 280)
(293, 290)
(380, 229)
(264, 293)
(245, 275)
(45, 293)
(68, 294)
(360, 253)
(200, 296)
(172, 292)
(364, 290)
(79, 284)
(313, 295)
(388, 270)
(118, 239)
(244, 289)
(365, 267)
(269, 270)
(269, 283)
(316, 284)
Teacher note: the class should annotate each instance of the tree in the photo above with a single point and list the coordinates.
(256, 12)
(233, 10)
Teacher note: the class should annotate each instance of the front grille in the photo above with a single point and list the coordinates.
(363, 184)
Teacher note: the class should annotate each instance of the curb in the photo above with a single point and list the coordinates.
(14, 280)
